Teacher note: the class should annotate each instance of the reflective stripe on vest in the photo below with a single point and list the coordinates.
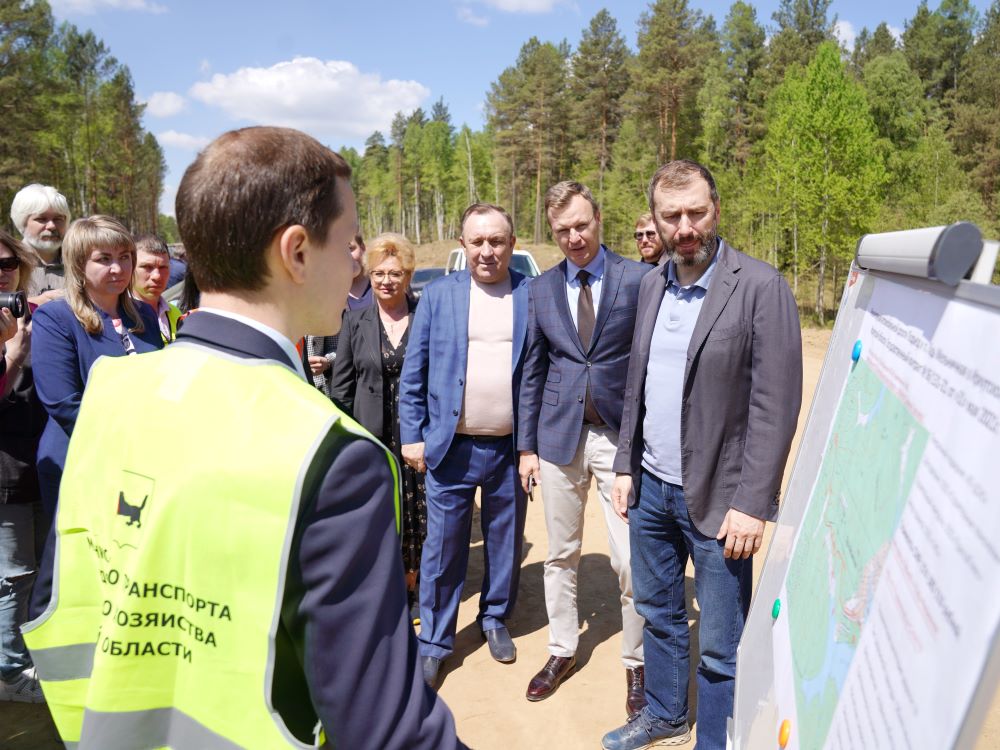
(170, 575)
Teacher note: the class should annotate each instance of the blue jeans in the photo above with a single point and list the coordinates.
(662, 538)
(21, 535)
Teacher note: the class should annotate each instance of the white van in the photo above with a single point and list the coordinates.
(521, 261)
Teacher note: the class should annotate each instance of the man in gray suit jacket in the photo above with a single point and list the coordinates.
(711, 403)
(580, 319)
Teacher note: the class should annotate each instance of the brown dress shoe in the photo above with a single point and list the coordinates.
(635, 698)
(544, 684)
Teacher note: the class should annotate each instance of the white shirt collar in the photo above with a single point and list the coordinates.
(277, 336)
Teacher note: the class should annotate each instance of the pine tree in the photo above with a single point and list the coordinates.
(599, 81)
(675, 43)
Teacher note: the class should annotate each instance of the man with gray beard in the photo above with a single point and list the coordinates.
(41, 215)
(711, 402)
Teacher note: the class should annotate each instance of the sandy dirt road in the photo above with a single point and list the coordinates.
(486, 697)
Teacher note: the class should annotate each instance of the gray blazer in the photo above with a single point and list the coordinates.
(742, 390)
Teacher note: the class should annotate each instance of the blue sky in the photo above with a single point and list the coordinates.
(340, 69)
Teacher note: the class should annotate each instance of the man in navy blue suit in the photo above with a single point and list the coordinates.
(581, 319)
(457, 422)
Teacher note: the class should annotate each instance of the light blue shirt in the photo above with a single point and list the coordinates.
(664, 389)
(596, 270)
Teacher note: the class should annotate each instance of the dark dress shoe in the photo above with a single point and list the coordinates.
(431, 665)
(635, 699)
(501, 646)
(544, 684)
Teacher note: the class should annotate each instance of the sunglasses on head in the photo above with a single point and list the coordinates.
(9, 264)
(649, 234)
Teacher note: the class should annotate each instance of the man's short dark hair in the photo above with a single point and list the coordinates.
(559, 195)
(485, 208)
(150, 243)
(245, 186)
(678, 173)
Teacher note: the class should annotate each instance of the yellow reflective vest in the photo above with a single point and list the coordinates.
(170, 574)
(173, 315)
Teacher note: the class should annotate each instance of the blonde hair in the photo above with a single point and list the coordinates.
(391, 245)
(25, 261)
(82, 237)
(646, 218)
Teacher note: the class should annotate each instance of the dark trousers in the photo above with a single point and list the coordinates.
(471, 463)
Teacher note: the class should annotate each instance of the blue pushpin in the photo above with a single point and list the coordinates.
(856, 354)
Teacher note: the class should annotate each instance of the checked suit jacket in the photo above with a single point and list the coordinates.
(556, 367)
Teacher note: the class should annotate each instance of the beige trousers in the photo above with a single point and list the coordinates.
(564, 495)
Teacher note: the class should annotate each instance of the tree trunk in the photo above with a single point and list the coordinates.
(416, 208)
(439, 212)
(471, 175)
(603, 160)
(538, 191)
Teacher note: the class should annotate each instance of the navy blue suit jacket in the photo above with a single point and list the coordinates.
(556, 367)
(432, 385)
(62, 353)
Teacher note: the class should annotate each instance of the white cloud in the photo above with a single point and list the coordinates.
(88, 7)
(184, 141)
(844, 31)
(167, 198)
(523, 6)
(466, 15)
(205, 67)
(332, 98)
(897, 33)
(165, 104)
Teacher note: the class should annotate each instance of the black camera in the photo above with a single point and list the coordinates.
(16, 302)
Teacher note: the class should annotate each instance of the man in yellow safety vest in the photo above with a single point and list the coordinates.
(249, 591)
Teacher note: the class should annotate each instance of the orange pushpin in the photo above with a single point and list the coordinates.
(784, 732)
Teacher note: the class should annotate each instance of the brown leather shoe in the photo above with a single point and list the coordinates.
(544, 684)
(635, 698)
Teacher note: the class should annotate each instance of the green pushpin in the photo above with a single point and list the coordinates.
(776, 609)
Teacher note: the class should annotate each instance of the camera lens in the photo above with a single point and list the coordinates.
(16, 302)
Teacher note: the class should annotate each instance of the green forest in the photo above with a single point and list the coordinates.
(812, 145)
(71, 119)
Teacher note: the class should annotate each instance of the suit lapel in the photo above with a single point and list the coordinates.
(561, 300)
(613, 272)
(721, 288)
(520, 295)
(649, 310)
(460, 314)
(370, 334)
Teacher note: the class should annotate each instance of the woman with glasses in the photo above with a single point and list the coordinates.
(97, 318)
(366, 378)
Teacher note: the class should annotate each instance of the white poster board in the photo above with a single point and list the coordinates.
(885, 561)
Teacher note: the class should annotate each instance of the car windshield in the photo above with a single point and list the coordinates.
(427, 274)
(522, 265)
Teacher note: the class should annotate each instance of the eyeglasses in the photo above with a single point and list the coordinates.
(391, 275)
(9, 264)
(649, 234)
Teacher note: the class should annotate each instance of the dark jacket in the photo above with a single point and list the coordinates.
(742, 390)
(22, 419)
(356, 379)
(556, 367)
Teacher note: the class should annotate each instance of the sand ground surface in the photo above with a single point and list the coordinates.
(486, 697)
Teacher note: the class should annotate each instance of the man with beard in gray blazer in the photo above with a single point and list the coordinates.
(711, 402)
